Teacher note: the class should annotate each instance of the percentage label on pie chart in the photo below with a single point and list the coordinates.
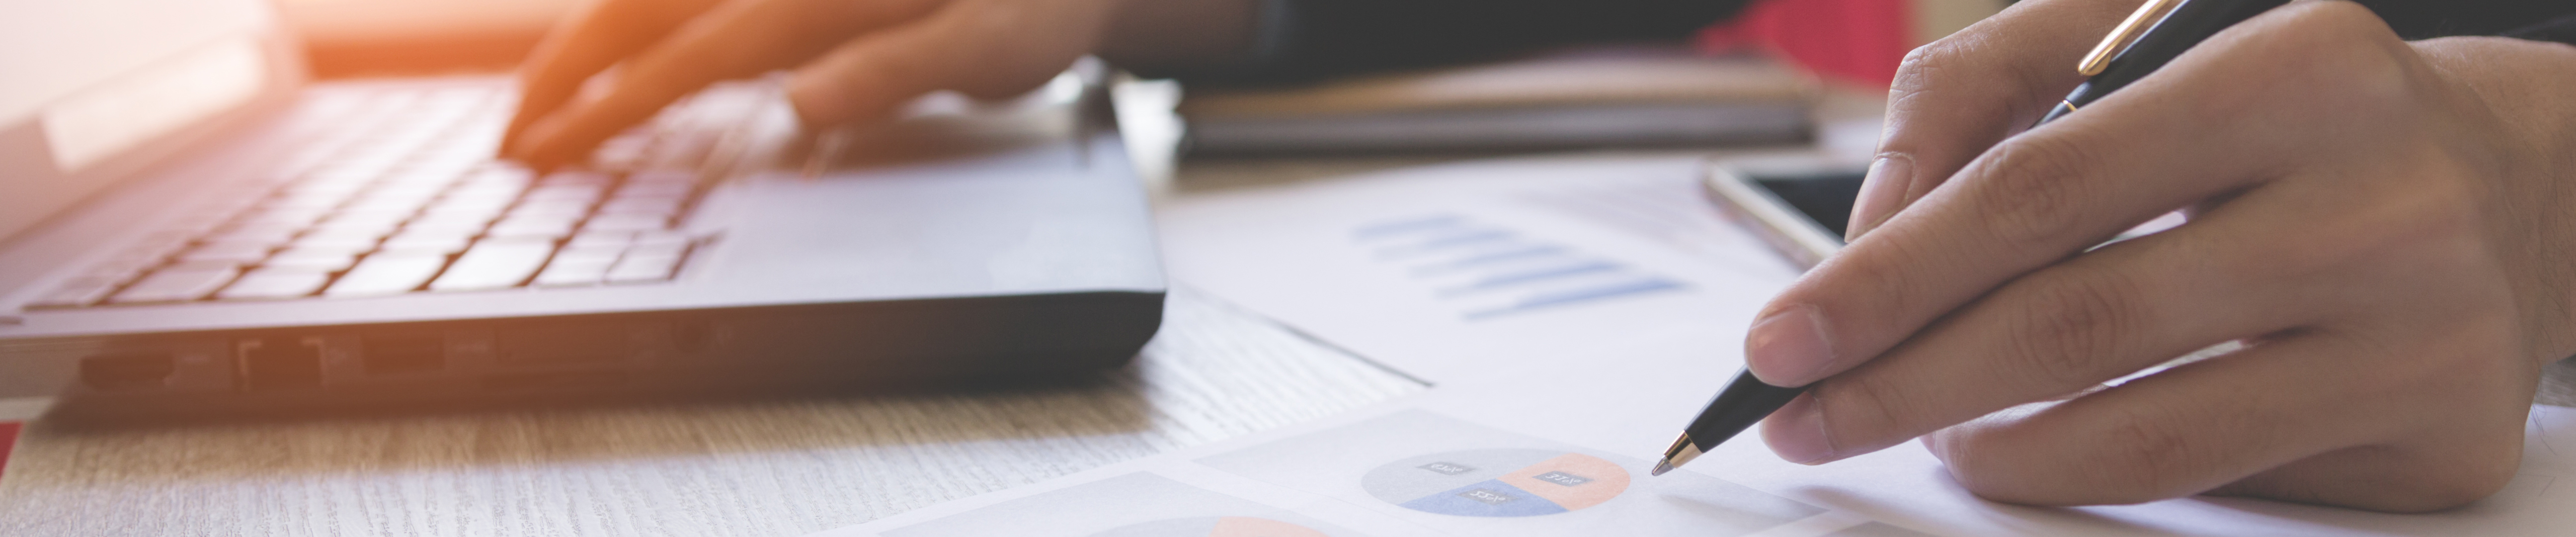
(1497, 482)
(1213, 526)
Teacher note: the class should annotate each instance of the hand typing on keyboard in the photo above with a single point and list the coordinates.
(395, 194)
(853, 60)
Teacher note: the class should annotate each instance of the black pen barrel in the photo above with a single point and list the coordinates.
(1744, 402)
(2188, 25)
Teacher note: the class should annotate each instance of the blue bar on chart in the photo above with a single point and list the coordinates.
(1491, 271)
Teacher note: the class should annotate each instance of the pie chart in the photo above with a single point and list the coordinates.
(1213, 526)
(1497, 482)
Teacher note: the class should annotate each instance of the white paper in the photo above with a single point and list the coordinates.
(1147, 505)
(1624, 408)
(1574, 396)
(1448, 272)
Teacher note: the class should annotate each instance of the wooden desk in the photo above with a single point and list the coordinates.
(765, 469)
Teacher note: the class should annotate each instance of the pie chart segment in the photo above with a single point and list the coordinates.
(1573, 480)
(1497, 483)
(1488, 498)
(1426, 475)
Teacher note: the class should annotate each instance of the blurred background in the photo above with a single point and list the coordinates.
(370, 38)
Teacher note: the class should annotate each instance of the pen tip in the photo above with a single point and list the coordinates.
(1661, 467)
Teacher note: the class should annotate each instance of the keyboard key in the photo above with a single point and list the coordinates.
(545, 227)
(82, 292)
(575, 271)
(121, 269)
(658, 249)
(386, 274)
(590, 180)
(612, 240)
(554, 208)
(661, 238)
(500, 192)
(341, 239)
(312, 260)
(308, 201)
(563, 191)
(275, 283)
(283, 218)
(642, 204)
(494, 264)
(176, 285)
(256, 233)
(362, 221)
(344, 171)
(601, 253)
(227, 252)
(433, 241)
(637, 269)
(468, 224)
(396, 206)
(437, 172)
(660, 179)
(502, 173)
(626, 222)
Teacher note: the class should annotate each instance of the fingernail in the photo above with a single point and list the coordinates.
(1797, 432)
(1880, 191)
(1788, 347)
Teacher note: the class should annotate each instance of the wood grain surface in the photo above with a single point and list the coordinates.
(768, 468)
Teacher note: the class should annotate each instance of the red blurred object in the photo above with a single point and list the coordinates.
(8, 442)
(1852, 41)
(357, 38)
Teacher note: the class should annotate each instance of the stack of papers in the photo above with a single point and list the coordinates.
(1578, 99)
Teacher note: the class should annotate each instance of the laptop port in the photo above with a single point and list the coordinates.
(271, 364)
(383, 354)
(127, 371)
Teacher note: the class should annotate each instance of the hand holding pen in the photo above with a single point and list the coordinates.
(2381, 223)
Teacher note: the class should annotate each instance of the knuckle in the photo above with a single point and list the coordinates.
(1916, 71)
(1945, 73)
(2033, 188)
(1860, 408)
(2074, 323)
(1988, 463)
(1871, 288)
(2120, 461)
(2143, 457)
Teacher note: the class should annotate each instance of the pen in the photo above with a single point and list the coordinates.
(2155, 34)
(2134, 49)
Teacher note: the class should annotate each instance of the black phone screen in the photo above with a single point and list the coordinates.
(1825, 197)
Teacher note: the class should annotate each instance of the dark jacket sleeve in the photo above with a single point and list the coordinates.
(1308, 39)
(2562, 30)
(2426, 19)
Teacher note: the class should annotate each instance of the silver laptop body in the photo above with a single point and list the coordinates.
(193, 229)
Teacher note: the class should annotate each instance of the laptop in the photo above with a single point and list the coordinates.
(192, 228)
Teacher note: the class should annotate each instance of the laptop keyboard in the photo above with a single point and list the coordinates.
(393, 191)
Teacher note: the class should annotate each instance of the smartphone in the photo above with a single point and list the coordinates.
(1799, 207)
